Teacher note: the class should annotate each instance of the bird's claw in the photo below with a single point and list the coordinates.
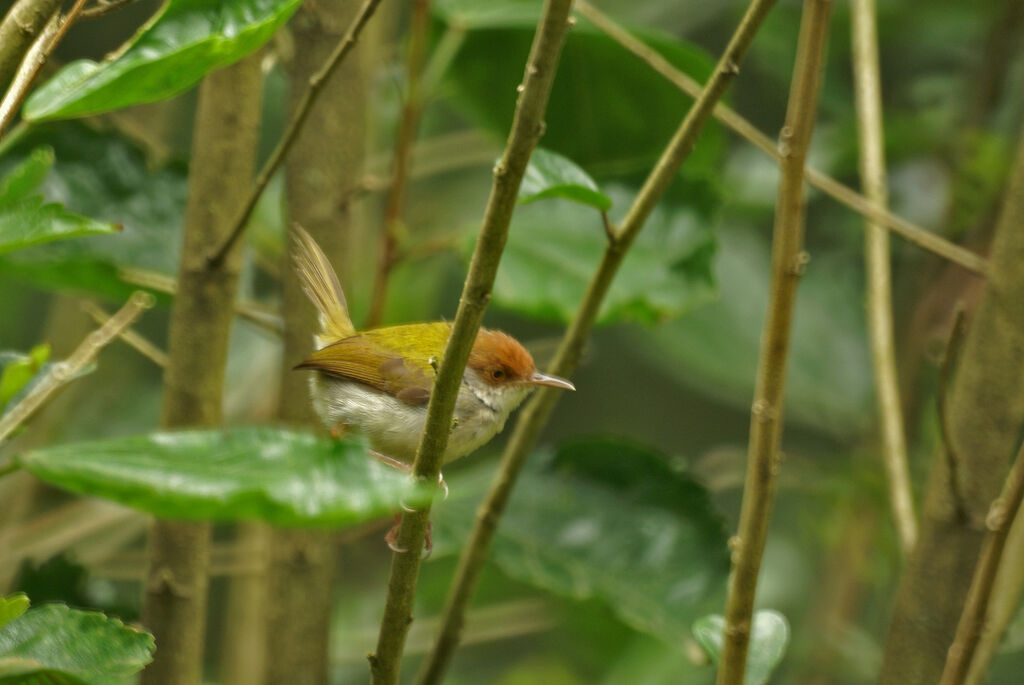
(391, 539)
(443, 485)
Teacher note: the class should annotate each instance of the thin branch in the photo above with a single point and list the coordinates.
(972, 620)
(33, 63)
(868, 97)
(129, 336)
(105, 7)
(407, 125)
(788, 263)
(18, 31)
(250, 310)
(67, 370)
(839, 192)
(316, 84)
(956, 335)
(537, 412)
(527, 128)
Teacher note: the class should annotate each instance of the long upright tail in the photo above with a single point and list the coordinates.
(321, 284)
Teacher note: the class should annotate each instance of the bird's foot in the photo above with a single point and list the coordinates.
(407, 468)
(392, 538)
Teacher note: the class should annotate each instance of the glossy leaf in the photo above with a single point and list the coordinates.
(554, 249)
(549, 174)
(768, 640)
(58, 645)
(26, 219)
(171, 53)
(109, 178)
(18, 370)
(715, 349)
(284, 477)
(609, 112)
(12, 606)
(576, 536)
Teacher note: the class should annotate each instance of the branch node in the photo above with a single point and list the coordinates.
(762, 411)
(731, 68)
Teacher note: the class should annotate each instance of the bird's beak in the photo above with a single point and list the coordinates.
(539, 378)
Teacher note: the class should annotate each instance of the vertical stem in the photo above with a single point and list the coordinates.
(986, 410)
(972, 621)
(223, 160)
(537, 412)
(323, 169)
(407, 126)
(788, 263)
(527, 128)
(868, 96)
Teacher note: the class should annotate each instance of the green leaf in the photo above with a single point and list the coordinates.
(609, 112)
(12, 606)
(55, 644)
(553, 251)
(104, 176)
(656, 567)
(715, 349)
(185, 41)
(768, 640)
(18, 370)
(549, 174)
(26, 219)
(284, 477)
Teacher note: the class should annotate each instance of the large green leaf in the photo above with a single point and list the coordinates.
(554, 249)
(26, 219)
(62, 646)
(768, 639)
(549, 174)
(104, 176)
(609, 112)
(715, 348)
(180, 45)
(582, 537)
(284, 477)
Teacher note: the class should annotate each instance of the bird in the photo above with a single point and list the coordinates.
(378, 382)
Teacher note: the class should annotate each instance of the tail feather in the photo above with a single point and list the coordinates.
(321, 285)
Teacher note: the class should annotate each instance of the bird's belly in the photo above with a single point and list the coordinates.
(394, 427)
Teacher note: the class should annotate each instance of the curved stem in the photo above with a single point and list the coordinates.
(868, 96)
(527, 127)
(537, 412)
(788, 262)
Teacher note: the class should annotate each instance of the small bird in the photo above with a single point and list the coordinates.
(378, 382)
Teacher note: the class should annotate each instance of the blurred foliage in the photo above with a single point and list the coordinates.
(62, 646)
(17, 370)
(610, 550)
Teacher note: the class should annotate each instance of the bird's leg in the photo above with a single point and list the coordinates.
(407, 469)
(392, 537)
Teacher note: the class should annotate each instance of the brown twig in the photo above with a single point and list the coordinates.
(956, 335)
(316, 84)
(129, 336)
(105, 7)
(65, 371)
(788, 263)
(537, 412)
(19, 29)
(407, 125)
(836, 190)
(868, 96)
(527, 127)
(33, 63)
(972, 620)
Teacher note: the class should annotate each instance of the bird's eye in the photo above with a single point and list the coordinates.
(498, 374)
